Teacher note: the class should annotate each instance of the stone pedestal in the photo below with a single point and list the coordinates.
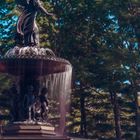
(34, 138)
(30, 132)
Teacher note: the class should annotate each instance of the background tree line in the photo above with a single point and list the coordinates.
(101, 39)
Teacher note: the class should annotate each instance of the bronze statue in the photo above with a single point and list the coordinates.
(36, 106)
(31, 101)
(44, 103)
(27, 30)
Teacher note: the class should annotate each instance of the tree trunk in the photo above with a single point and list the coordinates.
(116, 111)
(134, 84)
(83, 124)
(137, 113)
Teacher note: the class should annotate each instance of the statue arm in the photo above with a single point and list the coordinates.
(43, 10)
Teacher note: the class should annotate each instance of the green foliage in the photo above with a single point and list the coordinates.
(7, 25)
(47, 27)
(5, 98)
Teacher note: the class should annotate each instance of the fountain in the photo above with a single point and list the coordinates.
(41, 78)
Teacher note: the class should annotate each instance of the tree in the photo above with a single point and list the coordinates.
(94, 36)
(7, 24)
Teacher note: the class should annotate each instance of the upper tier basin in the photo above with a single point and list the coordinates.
(32, 61)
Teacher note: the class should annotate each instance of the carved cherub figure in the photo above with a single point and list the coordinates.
(41, 106)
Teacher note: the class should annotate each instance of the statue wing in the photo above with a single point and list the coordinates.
(21, 2)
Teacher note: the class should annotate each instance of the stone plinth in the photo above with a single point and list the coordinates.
(34, 138)
(32, 61)
(28, 129)
(30, 132)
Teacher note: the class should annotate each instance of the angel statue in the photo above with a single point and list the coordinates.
(27, 30)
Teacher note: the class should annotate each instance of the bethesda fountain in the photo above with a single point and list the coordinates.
(40, 77)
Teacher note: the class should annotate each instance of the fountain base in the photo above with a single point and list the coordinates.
(34, 137)
(30, 131)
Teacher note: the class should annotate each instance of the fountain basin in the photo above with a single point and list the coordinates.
(36, 67)
(32, 61)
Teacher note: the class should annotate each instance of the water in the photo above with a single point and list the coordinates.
(59, 87)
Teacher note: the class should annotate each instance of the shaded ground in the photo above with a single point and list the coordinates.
(80, 139)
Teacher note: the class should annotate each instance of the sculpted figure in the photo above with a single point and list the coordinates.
(37, 106)
(27, 30)
(44, 103)
(29, 103)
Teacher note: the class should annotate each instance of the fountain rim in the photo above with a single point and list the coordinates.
(40, 58)
(38, 66)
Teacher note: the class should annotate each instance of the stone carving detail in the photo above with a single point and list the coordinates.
(35, 105)
(29, 52)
